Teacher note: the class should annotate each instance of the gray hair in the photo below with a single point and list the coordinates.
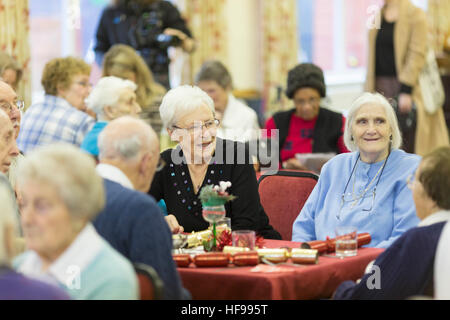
(214, 70)
(107, 93)
(181, 100)
(372, 98)
(124, 144)
(71, 172)
(8, 217)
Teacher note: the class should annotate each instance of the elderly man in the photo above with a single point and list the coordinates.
(10, 104)
(111, 98)
(132, 221)
(8, 146)
(12, 107)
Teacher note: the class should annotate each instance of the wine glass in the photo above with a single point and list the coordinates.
(212, 214)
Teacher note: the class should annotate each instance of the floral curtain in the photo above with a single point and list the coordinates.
(14, 40)
(207, 23)
(439, 22)
(279, 50)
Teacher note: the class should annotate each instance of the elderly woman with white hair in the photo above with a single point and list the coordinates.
(13, 285)
(111, 98)
(201, 159)
(367, 188)
(60, 193)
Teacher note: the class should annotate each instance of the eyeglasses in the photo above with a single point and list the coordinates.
(311, 102)
(161, 164)
(211, 124)
(8, 107)
(84, 84)
(350, 197)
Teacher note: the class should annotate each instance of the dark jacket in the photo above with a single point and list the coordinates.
(117, 25)
(133, 224)
(405, 268)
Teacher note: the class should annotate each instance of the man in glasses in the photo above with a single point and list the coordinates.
(8, 146)
(12, 107)
(132, 221)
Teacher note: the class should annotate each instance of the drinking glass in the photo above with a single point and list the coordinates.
(243, 238)
(346, 241)
(212, 214)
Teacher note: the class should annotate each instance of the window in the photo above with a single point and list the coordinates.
(333, 35)
(59, 28)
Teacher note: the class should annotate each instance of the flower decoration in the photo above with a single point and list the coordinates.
(213, 199)
(212, 195)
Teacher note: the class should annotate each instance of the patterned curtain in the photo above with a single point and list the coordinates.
(207, 23)
(14, 40)
(279, 50)
(439, 22)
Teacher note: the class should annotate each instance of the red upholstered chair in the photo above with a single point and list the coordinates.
(283, 196)
(150, 284)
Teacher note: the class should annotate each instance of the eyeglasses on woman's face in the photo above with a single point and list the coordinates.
(198, 126)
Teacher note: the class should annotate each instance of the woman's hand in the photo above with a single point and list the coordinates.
(405, 102)
(188, 44)
(173, 224)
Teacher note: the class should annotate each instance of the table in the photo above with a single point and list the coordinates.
(299, 282)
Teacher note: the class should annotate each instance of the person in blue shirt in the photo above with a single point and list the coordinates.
(61, 116)
(367, 187)
(405, 269)
(111, 98)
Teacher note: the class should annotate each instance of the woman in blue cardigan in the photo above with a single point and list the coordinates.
(366, 188)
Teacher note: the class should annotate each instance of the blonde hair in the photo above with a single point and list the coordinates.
(71, 172)
(59, 72)
(377, 99)
(8, 217)
(148, 91)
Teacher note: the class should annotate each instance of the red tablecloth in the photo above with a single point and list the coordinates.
(299, 282)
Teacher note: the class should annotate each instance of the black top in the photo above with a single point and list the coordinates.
(174, 185)
(385, 58)
(117, 24)
(385, 53)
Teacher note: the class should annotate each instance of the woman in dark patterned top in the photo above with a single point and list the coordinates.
(201, 159)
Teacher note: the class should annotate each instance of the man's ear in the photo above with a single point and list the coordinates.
(144, 164)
